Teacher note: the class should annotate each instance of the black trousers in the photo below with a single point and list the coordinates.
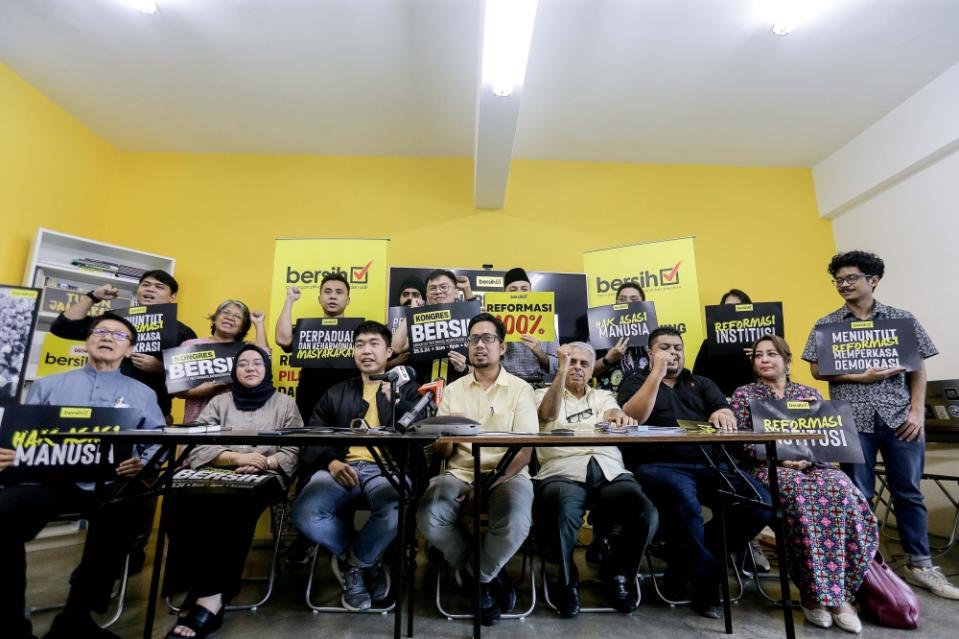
(25, 509)
(558, 511)
(210, 535)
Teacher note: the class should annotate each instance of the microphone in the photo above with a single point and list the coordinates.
(398, 374)
(428, 392)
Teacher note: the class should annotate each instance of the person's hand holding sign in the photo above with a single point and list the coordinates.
(533, 344)
(146, 363)
(344, 474)
(911, 429)
(7, 458)
(129, 467)
(802, 464)
(872, 375)
(616, 353)
(723, 419)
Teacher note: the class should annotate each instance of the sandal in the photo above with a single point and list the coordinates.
(200, 620)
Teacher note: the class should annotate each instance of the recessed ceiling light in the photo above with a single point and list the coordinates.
(148, 7)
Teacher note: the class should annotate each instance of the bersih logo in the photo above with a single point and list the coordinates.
(360, 274)
(661, 278)
(294, 276)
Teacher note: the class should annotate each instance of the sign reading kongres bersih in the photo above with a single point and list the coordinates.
(832, 420)
(857, 346)
(324, 342)
(187, 367)
(437, 329)
(609, 324)
(732, 327)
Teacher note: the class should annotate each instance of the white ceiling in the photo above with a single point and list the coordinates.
(691, 81)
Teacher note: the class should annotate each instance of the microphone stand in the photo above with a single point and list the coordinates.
(393, 401)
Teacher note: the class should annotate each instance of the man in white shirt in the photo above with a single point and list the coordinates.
(501, 402)
(574, 478)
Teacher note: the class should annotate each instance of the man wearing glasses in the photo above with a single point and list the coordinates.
(26, 508)
(572, 478)
(889, 405)
(500, 402)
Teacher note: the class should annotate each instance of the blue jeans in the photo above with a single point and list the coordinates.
(680, 490)
(324, 512)
(904, 467)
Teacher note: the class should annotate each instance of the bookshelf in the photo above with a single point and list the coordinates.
(51, 264)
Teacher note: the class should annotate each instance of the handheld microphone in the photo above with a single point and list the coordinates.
(398, 374)
(428, 392)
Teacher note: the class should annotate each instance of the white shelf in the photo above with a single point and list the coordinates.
(84, 275)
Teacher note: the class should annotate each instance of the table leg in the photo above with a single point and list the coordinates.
(780, 540)
(477, 541)
(401, 568)
(158, 553)
(724, 576)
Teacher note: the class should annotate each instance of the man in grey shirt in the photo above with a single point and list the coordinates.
(26, 508)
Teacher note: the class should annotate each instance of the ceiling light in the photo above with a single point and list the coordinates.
(148, 7)
(507, 32)
(785, 15)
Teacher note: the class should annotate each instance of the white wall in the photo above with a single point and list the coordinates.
(914, 226)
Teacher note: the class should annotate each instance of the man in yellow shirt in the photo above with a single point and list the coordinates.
(339, 479)
(571, 478)
(501, 402)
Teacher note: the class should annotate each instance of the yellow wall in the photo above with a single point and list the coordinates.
(757, 229)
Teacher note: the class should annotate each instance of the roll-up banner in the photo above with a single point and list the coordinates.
(666, 270)
(303, 262)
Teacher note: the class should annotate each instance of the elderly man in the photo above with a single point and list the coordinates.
(26, 508)
(529, 359)
(679, 478)
(574, 478)
(501, 402)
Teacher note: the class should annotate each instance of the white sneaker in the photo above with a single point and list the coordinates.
(817, 616)
(933, 580)
(848, 621)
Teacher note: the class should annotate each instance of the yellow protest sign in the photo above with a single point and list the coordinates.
(58, 355)
(304, 262)
(531, 313)
(666, 271)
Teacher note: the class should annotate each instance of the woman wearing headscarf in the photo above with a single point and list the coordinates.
(212, 519)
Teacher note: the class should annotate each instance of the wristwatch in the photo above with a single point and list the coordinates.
(93, 297)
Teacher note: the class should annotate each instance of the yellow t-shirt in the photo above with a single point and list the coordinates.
(372, 417)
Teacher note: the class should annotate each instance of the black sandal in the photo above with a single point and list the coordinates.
(200, 620)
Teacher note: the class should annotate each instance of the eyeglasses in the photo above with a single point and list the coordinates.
(486, 338)
(439, 288)
(849, 279)
(231, 315)
(120, 336)
(575, 418)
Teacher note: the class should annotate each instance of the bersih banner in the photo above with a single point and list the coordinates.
(38, 457)
(437, 329)
(609, 324)
(833, 420)
(303, 262)
(532, 313)
(667, 272)
(18, 316)
(855, 347)
(187, 367)
(732, 327)
(324, 342)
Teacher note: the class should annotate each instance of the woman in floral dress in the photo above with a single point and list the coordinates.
(831, 533)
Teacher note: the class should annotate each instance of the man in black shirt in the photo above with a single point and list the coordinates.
(155, 287)
(678, 478)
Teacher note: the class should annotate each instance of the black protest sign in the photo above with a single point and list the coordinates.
(57, 300)
(832, 420)
(609, 324)
(187, 367)
(155, 324)
(854, 347)
(437, 329)
(732, 327)
(38, 457)
(394, 315)
(18, 316)
(324, 342)
(219, 480)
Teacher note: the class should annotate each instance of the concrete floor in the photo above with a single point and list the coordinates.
(286, 615)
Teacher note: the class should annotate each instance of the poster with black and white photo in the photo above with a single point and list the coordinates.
(832, 420)
(611, 323)
(38, 457)
(732, 327)
(18, 316)
(855, 347)
(437, 329)
(324, 342)
(187, 367)
(155, 324)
